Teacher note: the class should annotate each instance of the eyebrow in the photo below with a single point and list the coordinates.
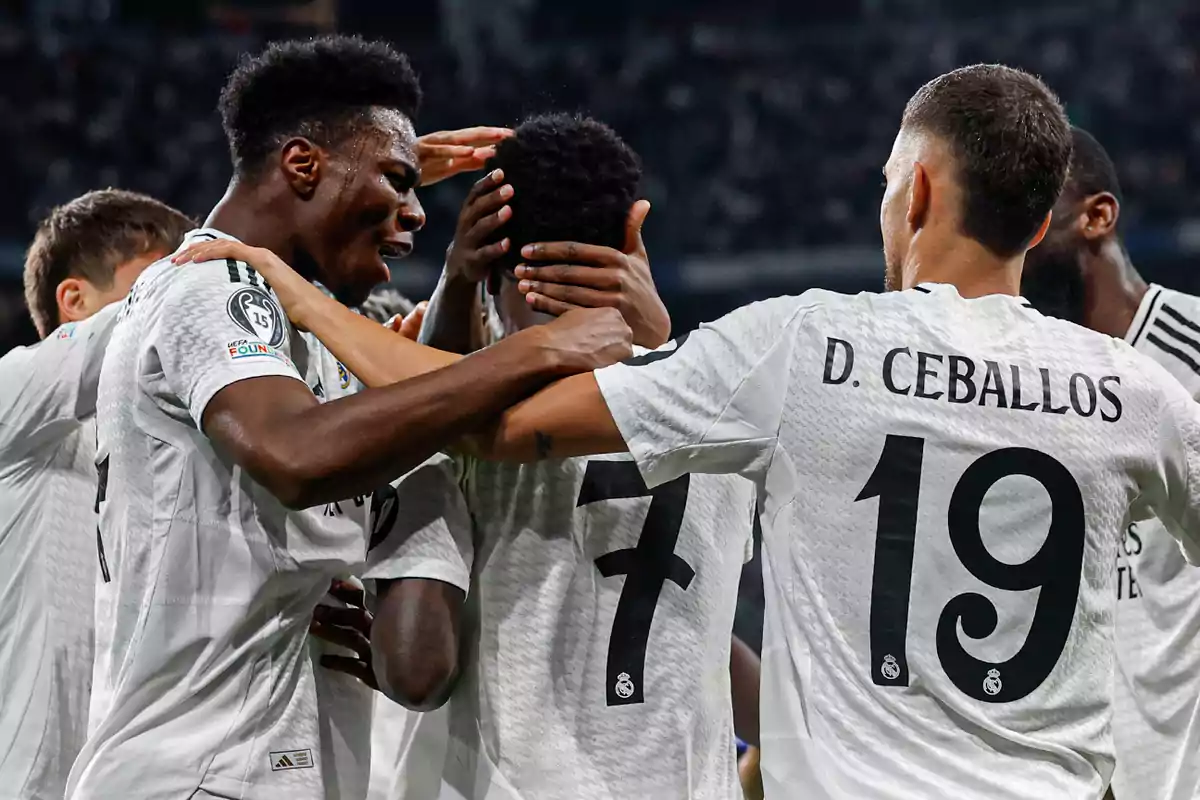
(410, 170)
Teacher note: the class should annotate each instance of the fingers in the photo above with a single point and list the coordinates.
(207, 251)
(348, 593)
(608, 279)
(483, 187)
(445, 152)
(358, 619)
(410, 326)
(575, 296)
(572, 253)
(633, 228)
(351, 666)
(548, 305)
(475, 137)
(348, 638)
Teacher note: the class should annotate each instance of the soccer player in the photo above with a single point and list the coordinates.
(84, 257)
(943, 473)
(224, 480)
(1082, 272)
(572, 599)
(599, 665)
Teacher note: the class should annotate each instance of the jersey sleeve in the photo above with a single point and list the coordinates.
(46, 389)
(712, 400)
(423, 529)
(213, 330)
(1172, 488)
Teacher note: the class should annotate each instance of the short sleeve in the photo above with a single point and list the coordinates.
(46, 389)
(712, 400)
(1172, 488)
(213, 329)
(423, 530)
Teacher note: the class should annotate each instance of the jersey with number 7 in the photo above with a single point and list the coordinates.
(943, 483)
(599, 664)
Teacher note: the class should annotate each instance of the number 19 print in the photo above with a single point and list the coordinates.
(1055, 570)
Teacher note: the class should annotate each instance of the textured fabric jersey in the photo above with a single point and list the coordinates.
(1156, 725)
(602, 614)
(943, 484)
(423, 532)
(47, 546)
(202, 677)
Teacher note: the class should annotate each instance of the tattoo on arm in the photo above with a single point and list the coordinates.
(544, 443)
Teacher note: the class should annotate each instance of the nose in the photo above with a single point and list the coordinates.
(411, 216)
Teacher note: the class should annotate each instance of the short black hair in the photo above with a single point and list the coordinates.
(574, 179)
(1092, 170)
(319, 88)
(1011, 139)
(89, 238)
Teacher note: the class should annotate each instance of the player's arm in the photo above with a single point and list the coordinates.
(259, 413)
(1171, 483)
(372, 352)
(712, 402)
(420, 556)
(744, 670)
(454, 318)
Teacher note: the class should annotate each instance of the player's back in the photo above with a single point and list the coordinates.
(47, 530)
(941, 519)
(599, 663)
(202, 674)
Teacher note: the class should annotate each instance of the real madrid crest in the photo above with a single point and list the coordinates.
(992, 684)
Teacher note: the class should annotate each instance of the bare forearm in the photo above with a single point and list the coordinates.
(350, 446)
(376, 355)
(566, 419)
(454, 319)
(744, 671)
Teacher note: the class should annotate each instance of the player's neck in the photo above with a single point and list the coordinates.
(967, 266)
(249, 214)
(1113, 290)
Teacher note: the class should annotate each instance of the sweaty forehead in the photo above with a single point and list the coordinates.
(394, 134)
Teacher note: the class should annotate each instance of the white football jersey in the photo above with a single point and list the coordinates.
(943, 483)
(422, 531)
(601, 613)
(202, 679)
(48, 547)
(1156, 725)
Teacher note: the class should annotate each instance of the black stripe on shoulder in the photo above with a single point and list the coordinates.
(207, 236)
(1180, 318)
(1178, 335)
(251, 275)
(235, 275)
(656, 355)
(1175, 351)
(922, 290)
(1146, 319)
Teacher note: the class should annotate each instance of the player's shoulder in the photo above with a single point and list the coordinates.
(65, 337)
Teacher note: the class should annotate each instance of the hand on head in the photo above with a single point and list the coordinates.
(472, 252)
(572, 275)
(445, 154)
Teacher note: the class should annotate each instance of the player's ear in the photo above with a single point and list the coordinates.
(1041, 231)
(1100, 214)
(301, 162)
(72, 300)
(919, 194)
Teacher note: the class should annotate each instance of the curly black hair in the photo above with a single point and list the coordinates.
(320, 89)
(574, 179)
(1012, 141)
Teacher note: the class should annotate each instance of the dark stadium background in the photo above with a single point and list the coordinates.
(762, 123)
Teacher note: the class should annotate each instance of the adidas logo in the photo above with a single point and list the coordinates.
(291, 759)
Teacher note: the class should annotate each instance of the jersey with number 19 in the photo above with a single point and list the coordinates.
(603, 614)
(203, 679)
(943, 484)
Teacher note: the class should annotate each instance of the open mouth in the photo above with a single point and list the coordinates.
(395, 249)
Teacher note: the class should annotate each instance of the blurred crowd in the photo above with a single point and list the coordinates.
(756, 135)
